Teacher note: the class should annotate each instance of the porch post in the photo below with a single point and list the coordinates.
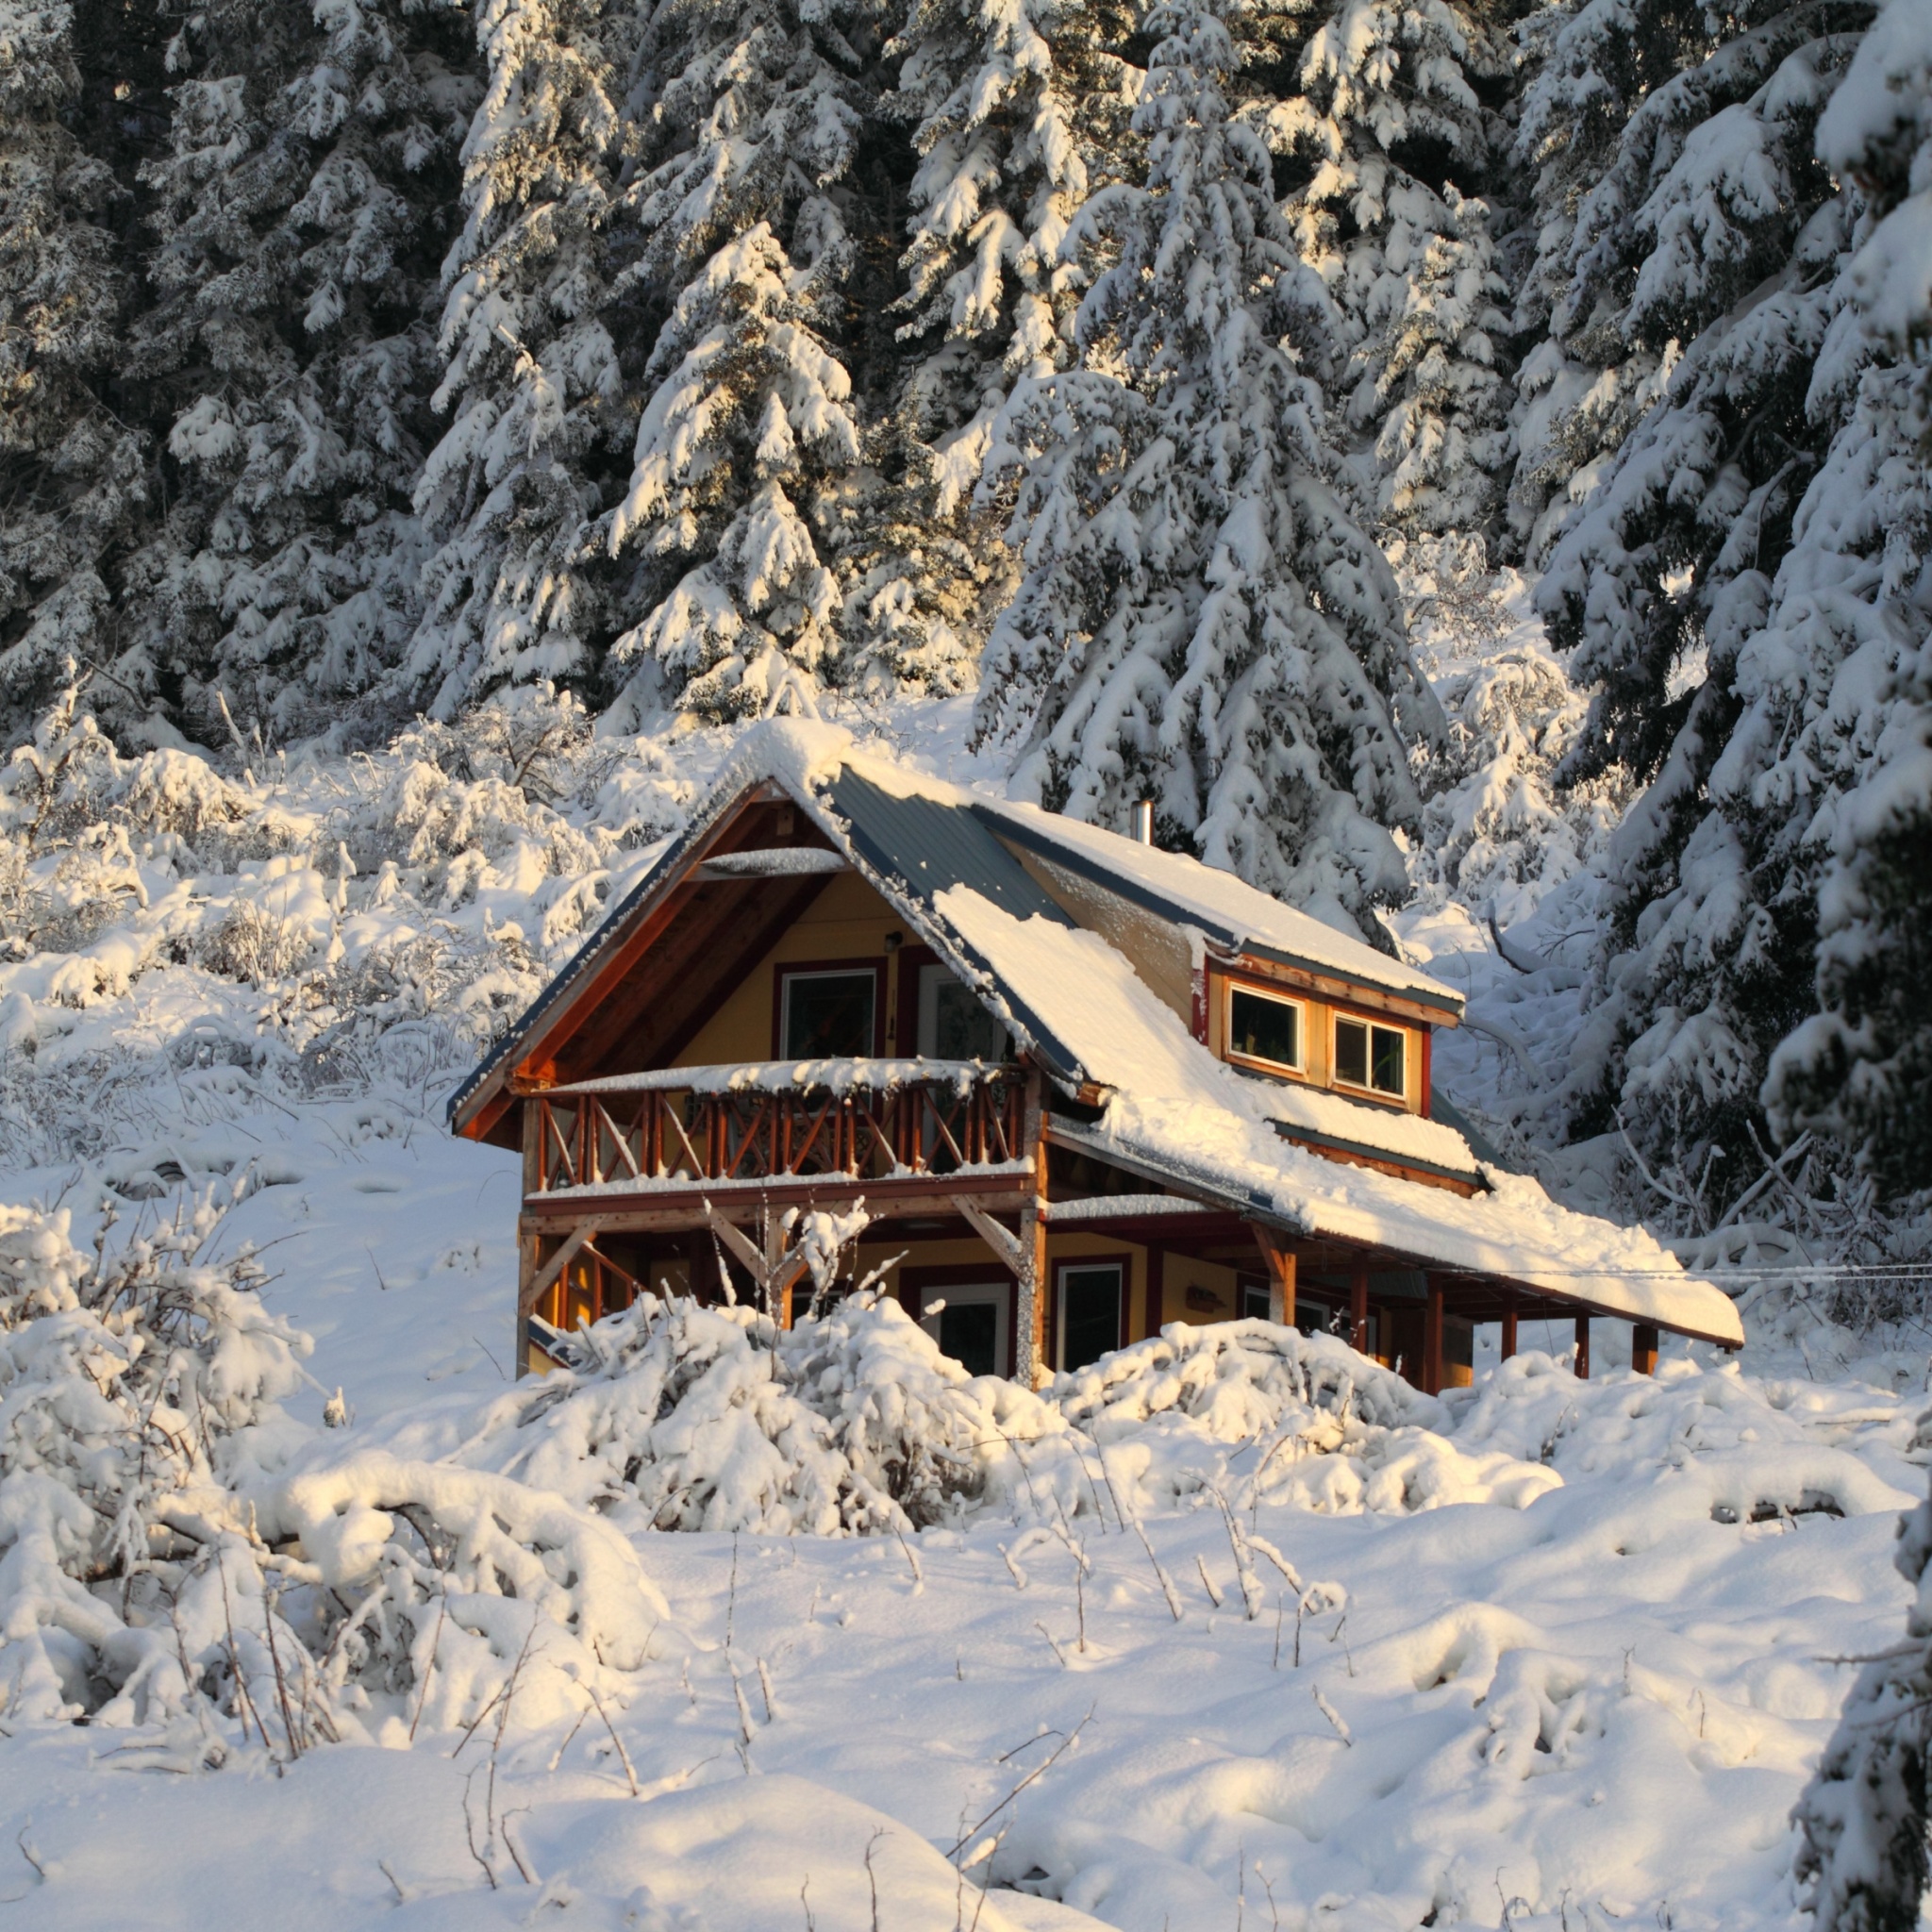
(1358, 1305)
(1029, 1345)
(1278, 1257)
(1644, 1348)
(1432, 1340)
(527, 1239)
(1583, 1348)
(1156, 1288)
(1509, 1328)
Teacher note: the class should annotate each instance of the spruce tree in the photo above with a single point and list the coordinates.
(1399, 147)
(533, 386)
(299, 216)
(1862, 1068)
(1202, 622)
(1746, 586)
(76, 470)
(748, 452)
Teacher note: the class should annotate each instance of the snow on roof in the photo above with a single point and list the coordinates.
(1239, 917)
(1176, 1107)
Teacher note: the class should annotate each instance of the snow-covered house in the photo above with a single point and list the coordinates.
(1081, 1088)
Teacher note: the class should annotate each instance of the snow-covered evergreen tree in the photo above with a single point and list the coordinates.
(1861, 1068)
(77, 471)
(1752, 574)
(1864, 1817)
(1674, 172)
(1398, 145)
(1202, 622)
(300, 214)
(532, 380)
(1017, 109)
(747, 469)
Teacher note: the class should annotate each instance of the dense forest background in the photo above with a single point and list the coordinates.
(384, 373)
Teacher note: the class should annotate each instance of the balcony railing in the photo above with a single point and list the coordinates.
(867, 1119)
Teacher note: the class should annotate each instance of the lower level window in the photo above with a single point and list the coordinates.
(969, 1322)
(1090, 1311)
(1372, 1056)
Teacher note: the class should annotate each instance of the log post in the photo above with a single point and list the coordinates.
(1029, 1345)
(1644, 1348)
(1278, 1259)
(526, 1238)
(1583, 1348)
(1432, 1340)
(1358, 1305)
(1508, 1328)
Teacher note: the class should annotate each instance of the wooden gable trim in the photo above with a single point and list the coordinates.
(534, 1067)
(1332, 988)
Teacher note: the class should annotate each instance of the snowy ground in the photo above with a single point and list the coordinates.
(1542, 1715)
(1596, 1708)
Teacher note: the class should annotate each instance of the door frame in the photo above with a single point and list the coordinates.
(916, 1284)
(1057, 1338)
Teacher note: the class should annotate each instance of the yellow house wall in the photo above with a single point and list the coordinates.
(847, 920)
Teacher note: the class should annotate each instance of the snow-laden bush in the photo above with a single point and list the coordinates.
(675, 1416)
(175, 1549)
(1295, 1419)
(672, 1416)
(1864, 1818)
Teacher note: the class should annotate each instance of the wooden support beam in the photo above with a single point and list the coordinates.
(526, 1241)
(1583, 1348)
(774, 1272)
(1007, 1246)
(1358, 1305)
(1156, 1286)
(1508, 1328)
(1278, 1259)
(1644, 1348)
(1432, 1340)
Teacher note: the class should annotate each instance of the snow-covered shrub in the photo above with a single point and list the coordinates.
(681, 1417)
(1864, 1817)
(141, 1387)
(1273, 1415)
(175, 1547)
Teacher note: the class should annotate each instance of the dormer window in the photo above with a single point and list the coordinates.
(1372, 1056)
(1266, 1030)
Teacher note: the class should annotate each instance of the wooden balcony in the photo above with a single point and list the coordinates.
(850, 1119)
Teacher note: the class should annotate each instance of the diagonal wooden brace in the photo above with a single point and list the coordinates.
(1001, 1239)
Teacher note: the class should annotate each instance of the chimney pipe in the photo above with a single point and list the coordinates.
(1144, 821)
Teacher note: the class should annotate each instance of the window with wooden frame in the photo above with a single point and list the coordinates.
(829, 1011)
(1091, 1313)
(1265, 1029)
(1370, 1055)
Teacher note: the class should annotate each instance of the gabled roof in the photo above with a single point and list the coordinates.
(1234, 917)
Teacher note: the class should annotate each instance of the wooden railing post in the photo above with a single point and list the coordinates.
(1583, 1348)
(1508, 1328)
(1029, 1346)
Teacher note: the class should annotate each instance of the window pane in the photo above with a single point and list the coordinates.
(1387, 1076)
(1264, 1029)
(969, 1332)
(828, 1015)
(1089, 1314)
(961, 1028)
(1352, 1052)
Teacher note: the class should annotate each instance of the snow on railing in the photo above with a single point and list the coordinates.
(860, 1117)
